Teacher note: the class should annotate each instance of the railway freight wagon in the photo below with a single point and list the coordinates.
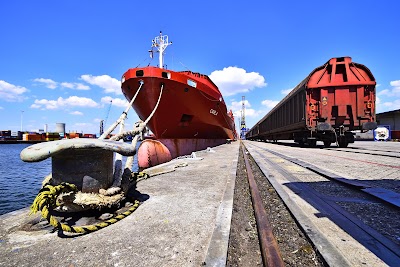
(332, 101)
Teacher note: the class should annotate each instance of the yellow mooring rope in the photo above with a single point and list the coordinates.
(45, 202)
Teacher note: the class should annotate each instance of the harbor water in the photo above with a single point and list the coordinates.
(21, 181)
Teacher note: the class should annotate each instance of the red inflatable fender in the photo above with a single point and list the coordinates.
(152, 153)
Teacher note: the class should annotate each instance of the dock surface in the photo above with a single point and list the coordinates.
(325, 190)
(186, 208)
(184, 221)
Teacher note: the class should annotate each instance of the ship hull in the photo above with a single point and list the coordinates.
(191, 106)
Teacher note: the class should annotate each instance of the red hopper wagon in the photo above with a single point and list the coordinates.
(335, 99)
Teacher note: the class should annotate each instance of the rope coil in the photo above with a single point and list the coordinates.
(45, 202)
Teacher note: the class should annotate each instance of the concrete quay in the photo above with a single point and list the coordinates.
(348, 227)
(185, 216)
(184, 221)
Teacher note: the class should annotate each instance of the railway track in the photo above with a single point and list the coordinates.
(356, 150)
(378, 150)
(373, 152)
(384, 195)
(351, 205)
(336, 153)
(247, 246)
(270, 252)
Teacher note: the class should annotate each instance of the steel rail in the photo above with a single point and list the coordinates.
(366, 153)
(270, 252)
(368, 149)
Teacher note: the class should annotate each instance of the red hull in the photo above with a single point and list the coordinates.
(191, 105)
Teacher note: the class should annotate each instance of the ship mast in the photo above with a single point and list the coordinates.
(161, 43)
(243, 120)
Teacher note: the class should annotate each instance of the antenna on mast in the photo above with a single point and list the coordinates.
(160, 43)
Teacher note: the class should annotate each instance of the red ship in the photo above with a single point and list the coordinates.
(191, 114)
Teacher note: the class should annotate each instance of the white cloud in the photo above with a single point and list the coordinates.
(388, 99)
(248, 112)
(109, 84)
(1, 108)
(80, 86)
(395, 83)
(269, 103)
(286, 91)
(387, 104)
(233, 80)
(384, 92)
(36, 106)
(76, 113)
(10, 92)
(61, 103)
(238, 105)
(115, 101)
(49, 83)
(236, 108)
(251, 112)
(394, 91)
(77, 86)
(67, 85)
(391, 105)
(47, 104)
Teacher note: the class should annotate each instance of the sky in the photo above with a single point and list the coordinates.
(62, 61)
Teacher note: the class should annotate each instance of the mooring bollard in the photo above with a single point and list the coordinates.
(87, 163)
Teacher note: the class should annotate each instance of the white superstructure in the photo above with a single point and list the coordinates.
(160, 43)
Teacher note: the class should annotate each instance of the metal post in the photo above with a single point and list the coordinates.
(160, 43)
(22, 112)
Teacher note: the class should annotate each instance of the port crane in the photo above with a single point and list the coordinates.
(104, 122)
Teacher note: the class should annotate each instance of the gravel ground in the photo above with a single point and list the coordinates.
(383, 218)
(244, 249)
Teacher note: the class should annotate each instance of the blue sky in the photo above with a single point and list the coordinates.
(61, 61)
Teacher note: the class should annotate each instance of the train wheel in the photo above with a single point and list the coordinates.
(343, 142)
(327, 143)
(312, 143)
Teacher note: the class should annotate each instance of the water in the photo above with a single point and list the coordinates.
(21, 181)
